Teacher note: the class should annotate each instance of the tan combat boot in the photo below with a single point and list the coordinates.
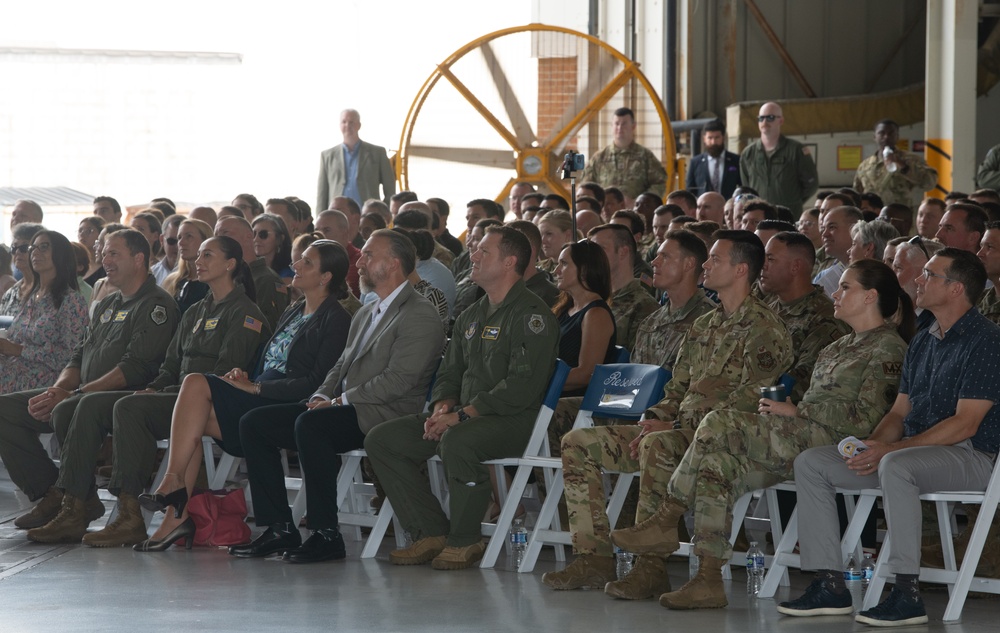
(44, 511)
(655, 535)
(128, 527)
(68, 526)
(648, 579)
(704, 591)
(422, 551)
(587, 571)
(459, 557)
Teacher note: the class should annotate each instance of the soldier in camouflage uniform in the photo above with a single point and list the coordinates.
(630, 302)
(626, 164)
(853, 385)
(728, 354)
(804, 308)
(910, 174)
(989, 254)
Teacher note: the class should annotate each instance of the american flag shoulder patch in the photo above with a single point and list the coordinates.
(251, 323)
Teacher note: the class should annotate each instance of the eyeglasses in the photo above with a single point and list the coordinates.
(44, 247)
(20, 248)
(263, 234)
(767, 117)
(929, 273)
(171, 241)
(916, 240)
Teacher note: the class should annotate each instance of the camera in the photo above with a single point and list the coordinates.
(574, 161)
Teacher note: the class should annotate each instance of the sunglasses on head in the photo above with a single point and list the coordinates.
(262, 234)
(767, 117)
(919, 241)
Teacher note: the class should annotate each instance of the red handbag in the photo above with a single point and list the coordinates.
(219, 517)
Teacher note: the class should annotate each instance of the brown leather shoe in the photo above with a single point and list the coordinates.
(422, 551)
(459, 557)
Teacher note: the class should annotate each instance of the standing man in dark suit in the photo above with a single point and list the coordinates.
(715, 169)
(392, 351)
(354, 168)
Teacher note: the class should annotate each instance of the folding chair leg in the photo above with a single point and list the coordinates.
(506, 518)
(774, 516)
(877, 583)
(783, 550)
(545, 519)
(960, 590)
(385, 515)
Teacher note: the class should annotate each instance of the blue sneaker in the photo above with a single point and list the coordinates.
(819, 600)
(899, 609)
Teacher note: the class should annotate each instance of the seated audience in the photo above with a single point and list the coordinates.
(306, 343)
(221, 331)
(6, 273)
(631, 302)
(536, 281)
(556, 228)
(381, 375)
(122, 349)
(149, 225)
(87, 233)
(853, 384)
(940, 434)
(103, 287)
(82, 260)
(485, 399)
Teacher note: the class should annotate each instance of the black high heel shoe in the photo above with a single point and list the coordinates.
(155, 502)
(183, 531)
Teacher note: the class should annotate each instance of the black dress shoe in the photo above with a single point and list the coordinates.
(279, 537)
(323, 544)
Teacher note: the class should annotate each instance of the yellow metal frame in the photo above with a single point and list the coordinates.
(550, 161)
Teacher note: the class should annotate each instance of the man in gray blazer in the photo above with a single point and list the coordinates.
(354, 169)
(393, 349)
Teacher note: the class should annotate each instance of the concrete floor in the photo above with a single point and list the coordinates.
(74, 588)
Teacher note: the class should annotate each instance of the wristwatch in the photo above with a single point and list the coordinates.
(462, 415)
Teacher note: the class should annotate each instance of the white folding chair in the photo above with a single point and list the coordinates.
(619, 391)
(784, 557)
(961, 579)
(537, 445)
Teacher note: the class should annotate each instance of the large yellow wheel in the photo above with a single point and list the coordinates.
(512, 103)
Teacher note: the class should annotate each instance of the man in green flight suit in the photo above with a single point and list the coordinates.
(485, 400)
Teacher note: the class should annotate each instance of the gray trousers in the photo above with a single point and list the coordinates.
(29, 465)
(134, 446)
(902, 475)
(397, 449)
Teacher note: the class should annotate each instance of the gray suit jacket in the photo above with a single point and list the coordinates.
(388, 377)
(374, 169)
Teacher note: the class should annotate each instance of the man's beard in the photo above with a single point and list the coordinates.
(714, 150)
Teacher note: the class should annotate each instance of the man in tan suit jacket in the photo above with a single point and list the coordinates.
(354, 168)
(393, 348)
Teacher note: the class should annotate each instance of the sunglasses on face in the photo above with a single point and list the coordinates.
(263, 234)
(767, 117)
(171, 241)
(20, 248)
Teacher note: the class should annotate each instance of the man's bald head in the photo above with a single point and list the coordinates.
(422, 207)
(238, 229)
(334, 225)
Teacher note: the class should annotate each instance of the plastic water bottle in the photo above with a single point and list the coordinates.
(852, 578)
(890, 166)
(693, 565)
(755, 569)
(518, 541)
(623, 562)
(867, 572)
